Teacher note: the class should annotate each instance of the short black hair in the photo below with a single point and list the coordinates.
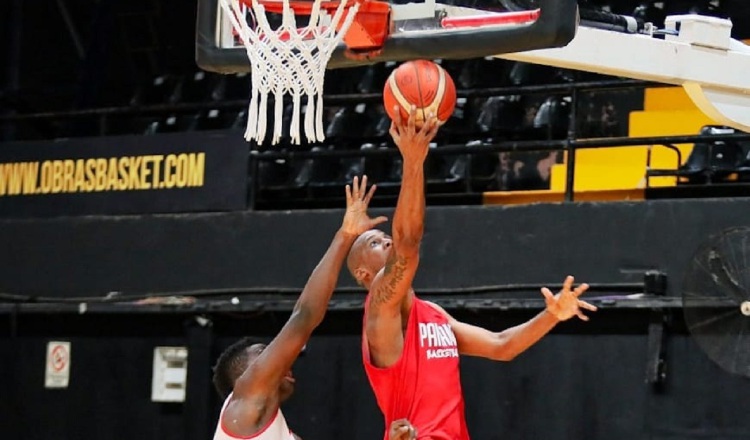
(231, 364)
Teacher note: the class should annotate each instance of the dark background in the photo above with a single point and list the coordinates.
(566, 387)
(583, 381)
(107, 48)
(66, 276)
(463, 247)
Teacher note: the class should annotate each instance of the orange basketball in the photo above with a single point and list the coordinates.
(421, 83)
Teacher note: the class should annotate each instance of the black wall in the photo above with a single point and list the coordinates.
(575, 384)
(463, 246)
(567, 387)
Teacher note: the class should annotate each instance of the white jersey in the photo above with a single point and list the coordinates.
(275, 429)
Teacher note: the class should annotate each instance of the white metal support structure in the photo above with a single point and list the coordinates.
(697, 53)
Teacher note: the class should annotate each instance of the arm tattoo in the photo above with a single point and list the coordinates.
(393, 274)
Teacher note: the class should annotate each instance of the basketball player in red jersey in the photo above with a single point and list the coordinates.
(410, 347)
(255, 379)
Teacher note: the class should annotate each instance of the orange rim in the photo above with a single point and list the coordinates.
(300, 7)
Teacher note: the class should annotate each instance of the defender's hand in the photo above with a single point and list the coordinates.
(413, 141)
(356, 221)
(401, 429)
(566, 304)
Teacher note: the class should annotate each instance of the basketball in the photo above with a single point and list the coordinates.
(423, 84)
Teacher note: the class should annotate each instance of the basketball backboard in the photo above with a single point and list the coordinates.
(456, 29)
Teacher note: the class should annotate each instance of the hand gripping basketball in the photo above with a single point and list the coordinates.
(413, 141)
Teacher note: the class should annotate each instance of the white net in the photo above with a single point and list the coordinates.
(288, 61)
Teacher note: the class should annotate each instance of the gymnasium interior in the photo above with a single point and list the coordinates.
(540, 173)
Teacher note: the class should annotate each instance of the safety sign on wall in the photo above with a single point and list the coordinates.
(57, 373)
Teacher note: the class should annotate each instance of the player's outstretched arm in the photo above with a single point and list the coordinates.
(506, 345)
(393, 283)
(266, 372)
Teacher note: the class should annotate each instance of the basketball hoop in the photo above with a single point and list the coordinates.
(289, 60)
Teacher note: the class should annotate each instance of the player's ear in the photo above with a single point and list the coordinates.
(362, 275)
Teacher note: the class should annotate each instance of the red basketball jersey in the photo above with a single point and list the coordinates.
(424, 385)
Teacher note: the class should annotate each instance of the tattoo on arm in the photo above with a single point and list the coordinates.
(394, 272)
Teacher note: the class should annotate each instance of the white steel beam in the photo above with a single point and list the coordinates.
(701, 56)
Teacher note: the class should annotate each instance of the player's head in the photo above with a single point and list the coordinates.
(368, 255)
(233, 363)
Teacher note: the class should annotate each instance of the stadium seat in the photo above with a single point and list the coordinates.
(382, 169)
(160, 90)
(235, 86)
(198, 87)
(715, 161)
(216, 119)
(553, 116)
(173, 124)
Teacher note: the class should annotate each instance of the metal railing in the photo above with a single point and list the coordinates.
(569, 144)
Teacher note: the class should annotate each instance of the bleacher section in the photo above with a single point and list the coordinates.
(621, 173)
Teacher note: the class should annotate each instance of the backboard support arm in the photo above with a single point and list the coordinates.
(697, 53)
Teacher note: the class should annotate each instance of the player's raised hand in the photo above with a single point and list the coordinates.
(356, 221)
(411, 140)
(401, 429)
(566, 304)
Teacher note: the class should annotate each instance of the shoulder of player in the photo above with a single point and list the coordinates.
(244, 413)
(440, 310)
(254, 394)
(434, 306)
